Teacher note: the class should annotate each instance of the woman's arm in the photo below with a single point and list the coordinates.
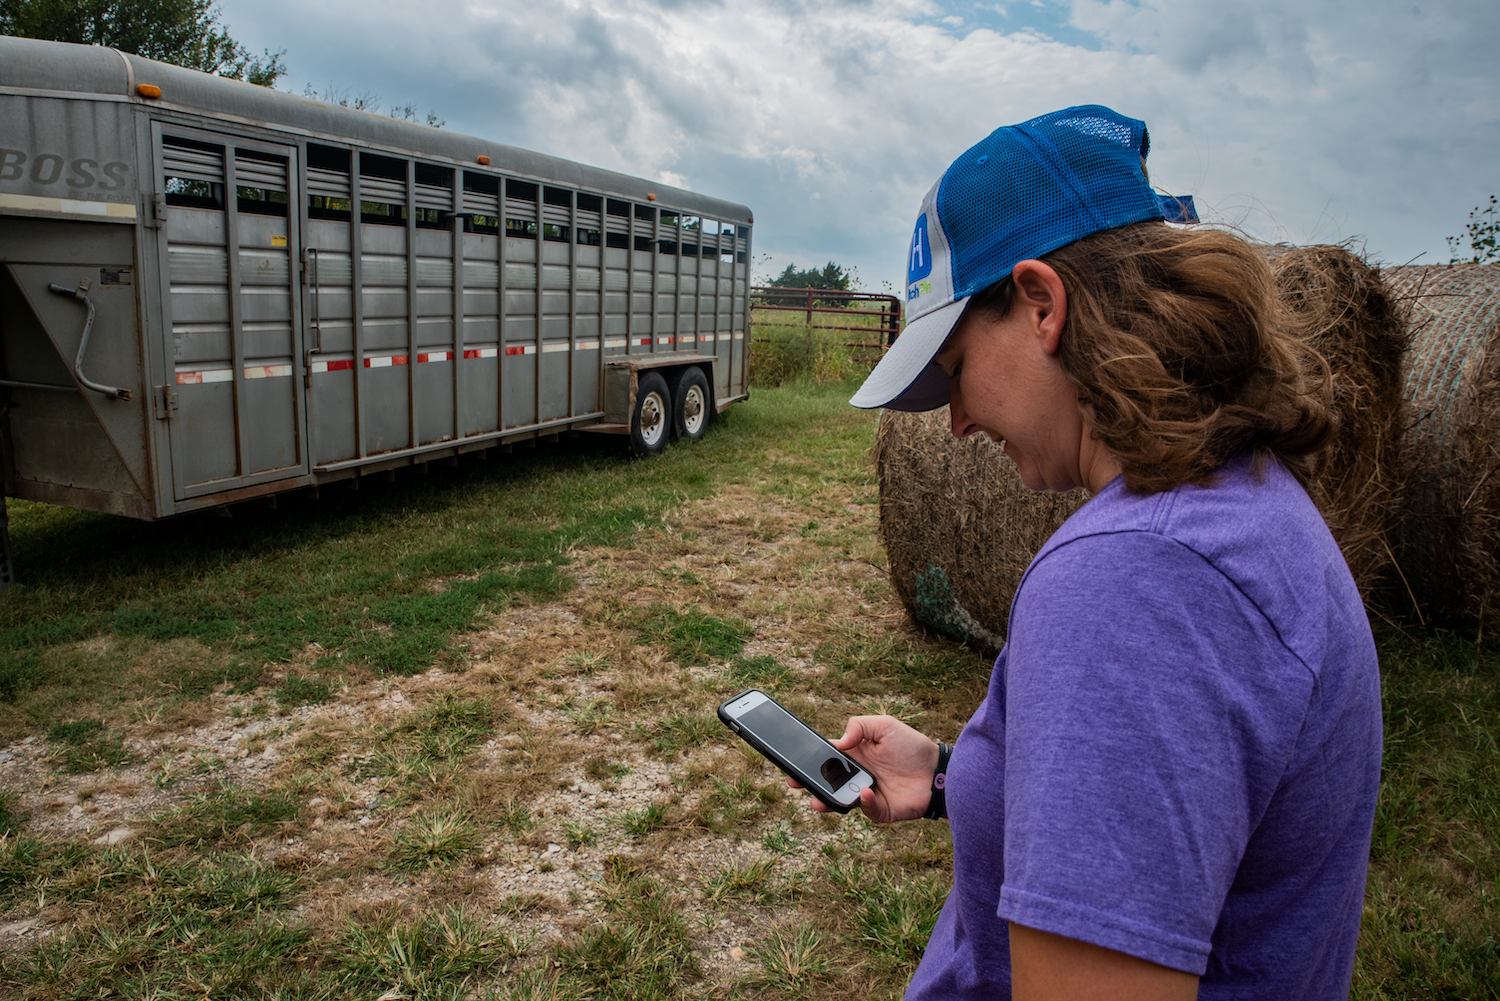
(1047, 967)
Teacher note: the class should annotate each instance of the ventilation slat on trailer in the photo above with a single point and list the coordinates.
(482, 202)
(327, 183)
(193, 164)
(430, 197)
(254, 172)
(382, 189)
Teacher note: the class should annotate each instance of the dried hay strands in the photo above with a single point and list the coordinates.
(960, 529)
(1448, 522)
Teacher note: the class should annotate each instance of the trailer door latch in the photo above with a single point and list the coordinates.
(166, 403)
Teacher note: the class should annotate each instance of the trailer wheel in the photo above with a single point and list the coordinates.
(652, 420)
(690, 406)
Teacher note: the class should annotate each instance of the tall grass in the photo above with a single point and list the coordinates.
(792, 353)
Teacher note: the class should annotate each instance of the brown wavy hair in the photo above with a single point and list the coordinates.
(1182, 355)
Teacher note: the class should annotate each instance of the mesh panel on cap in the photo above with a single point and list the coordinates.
(1028, 189)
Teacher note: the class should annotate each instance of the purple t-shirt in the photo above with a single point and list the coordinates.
(1179, 754)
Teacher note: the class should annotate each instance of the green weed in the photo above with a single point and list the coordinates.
(749, 879)
(874, 666)
(778, 839)
(433, 954)
(793, 959)
(694, 637)
(434, 839)
(640, 952)
(11, 817)
(579, 835)
(683, 730)
(757, 672)
(220, 815)
(516, 817)
(895, 916)
(300, 690)
(451, 727)
(731, 804)
(645, 820)
(601, 768)
(88, 746)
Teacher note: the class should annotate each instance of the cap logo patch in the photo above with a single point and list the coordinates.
(919, 265)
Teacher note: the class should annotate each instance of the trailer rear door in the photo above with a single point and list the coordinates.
(230, 288)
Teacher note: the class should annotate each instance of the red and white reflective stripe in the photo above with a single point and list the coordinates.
(687, 339)
(739, 337)
(481, 352)
(339, 365)
(205, 376)
(521, 349)
(616, 342)
(644, 342)
(664, 340)
(548, 349)
(385, 361)
(586, 346)
(434, 356)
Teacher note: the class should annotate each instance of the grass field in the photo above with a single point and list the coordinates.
(454, 737)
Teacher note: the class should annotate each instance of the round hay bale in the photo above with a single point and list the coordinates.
(958, 526)
(960, 529)
(1340, 305)
(1448, 521)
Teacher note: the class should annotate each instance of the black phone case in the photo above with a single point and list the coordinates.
(777, 760)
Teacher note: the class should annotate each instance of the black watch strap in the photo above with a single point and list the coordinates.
(937, 807)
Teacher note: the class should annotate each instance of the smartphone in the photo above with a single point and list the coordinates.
(797, 749)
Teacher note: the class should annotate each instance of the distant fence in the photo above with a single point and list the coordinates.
(876, 316)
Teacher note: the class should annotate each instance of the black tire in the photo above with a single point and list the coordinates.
(692, 404)
(651, 423)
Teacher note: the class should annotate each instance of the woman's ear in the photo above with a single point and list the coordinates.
(1040, 292)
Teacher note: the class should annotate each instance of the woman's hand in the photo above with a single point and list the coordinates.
(902, 761)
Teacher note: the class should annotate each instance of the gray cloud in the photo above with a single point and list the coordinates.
(1298, 120)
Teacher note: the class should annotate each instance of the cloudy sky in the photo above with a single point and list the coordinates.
(1295, 120)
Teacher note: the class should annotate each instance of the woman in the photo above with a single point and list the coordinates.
(1169, 788)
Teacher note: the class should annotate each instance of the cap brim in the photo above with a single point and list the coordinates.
(906, 378)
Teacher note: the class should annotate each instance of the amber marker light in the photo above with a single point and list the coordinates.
(484, 161)
(148, 90)
(650, 198)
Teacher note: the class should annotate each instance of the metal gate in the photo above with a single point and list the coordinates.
(228, 258)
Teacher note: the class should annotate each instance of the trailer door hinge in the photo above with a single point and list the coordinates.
(166, 403)
(157, 217)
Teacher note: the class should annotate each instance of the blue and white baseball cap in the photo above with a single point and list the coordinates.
(1024, 191)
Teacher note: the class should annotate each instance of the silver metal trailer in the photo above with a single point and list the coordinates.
(211, 291)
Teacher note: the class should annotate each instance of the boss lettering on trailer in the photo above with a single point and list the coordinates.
(49, 168)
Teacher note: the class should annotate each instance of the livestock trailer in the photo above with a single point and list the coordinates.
(212, 292)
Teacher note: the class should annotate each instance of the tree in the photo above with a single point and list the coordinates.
(1481, 233)
(832, 277)
(184, 32)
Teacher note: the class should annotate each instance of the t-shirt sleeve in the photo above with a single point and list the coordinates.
(1150, 712)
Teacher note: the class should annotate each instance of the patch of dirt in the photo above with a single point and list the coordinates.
(573, 759)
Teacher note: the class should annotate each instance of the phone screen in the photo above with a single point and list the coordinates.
(780, 729)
